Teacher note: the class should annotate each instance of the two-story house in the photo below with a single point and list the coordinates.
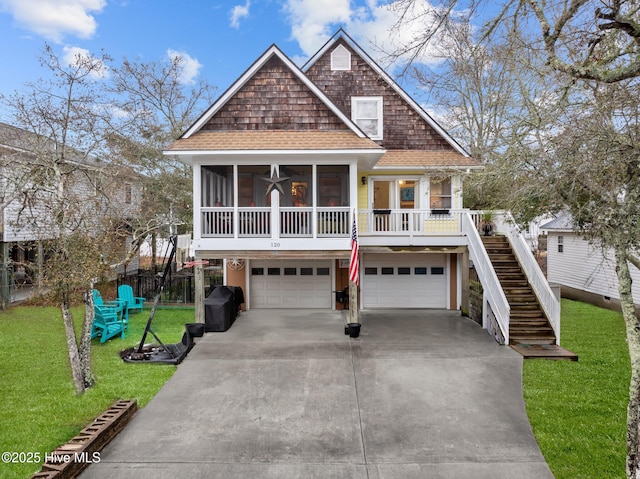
(287, 158)
(97, 188)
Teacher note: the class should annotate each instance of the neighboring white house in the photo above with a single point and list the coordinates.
(583, 270)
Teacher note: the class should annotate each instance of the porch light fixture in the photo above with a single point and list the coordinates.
(364, 180)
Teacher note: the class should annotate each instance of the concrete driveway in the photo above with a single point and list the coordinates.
(286, 394)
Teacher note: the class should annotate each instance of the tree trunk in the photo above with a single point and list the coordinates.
(154, 252)
(85, 341)
(72, 344)
(633, 341)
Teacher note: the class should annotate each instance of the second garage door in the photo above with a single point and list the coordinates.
(404, 281)
(290, 284)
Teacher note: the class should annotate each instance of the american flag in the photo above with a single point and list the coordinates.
(354, 263)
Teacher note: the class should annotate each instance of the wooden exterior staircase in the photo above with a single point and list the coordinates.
(528, 323)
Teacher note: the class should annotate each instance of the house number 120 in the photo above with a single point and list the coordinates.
(275, 244)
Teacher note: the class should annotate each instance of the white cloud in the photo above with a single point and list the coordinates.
(78, 57)
(190, 67)
(238, 12)
(312, 22)
(53, 19)
(370, 23)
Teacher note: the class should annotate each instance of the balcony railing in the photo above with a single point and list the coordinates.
(409, 222)
(327, 222)
(293, 222)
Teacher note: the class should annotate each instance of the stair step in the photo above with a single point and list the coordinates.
(527, 314)
(531, 340)
(510, 276)
(544, 351)
(518, 288)
(528, 323)
(516, 284)
(503, 256)
(532, 331)
(522, 307)
(518, 299)
(529, 326)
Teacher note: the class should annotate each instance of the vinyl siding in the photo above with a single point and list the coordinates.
(584, 267)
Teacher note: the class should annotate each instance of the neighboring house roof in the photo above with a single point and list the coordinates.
(426, 159)
(27, 143)
(562, 222)
(272, 140)
(342, 35)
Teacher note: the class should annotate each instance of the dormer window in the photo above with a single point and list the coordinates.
(366, 112)
(340, 59)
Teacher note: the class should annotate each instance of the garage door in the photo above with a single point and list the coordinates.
(290, 284)
(404, 281)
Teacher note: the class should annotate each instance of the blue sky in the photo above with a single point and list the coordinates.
(218, 39)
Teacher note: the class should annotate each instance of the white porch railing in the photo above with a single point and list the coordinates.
(550, 304)
(409, 222)
(254, 222)
(492, 290)
(294, 222)
(327, 222)
(216, 222)
(333, 221)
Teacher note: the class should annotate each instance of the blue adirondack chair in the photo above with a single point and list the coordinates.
(134, 303)
(118, 305)
(106, 323)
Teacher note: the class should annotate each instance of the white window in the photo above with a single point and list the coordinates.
(440, 192)
(340, 59)
(366, 112)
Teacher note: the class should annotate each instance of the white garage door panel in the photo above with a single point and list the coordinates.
(291, 290)
(411, 290)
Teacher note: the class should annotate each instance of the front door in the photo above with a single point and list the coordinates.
(391, 195)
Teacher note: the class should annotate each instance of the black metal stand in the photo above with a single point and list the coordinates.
(164, 353)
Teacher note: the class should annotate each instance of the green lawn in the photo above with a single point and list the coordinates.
(40, 409)
(578, 410)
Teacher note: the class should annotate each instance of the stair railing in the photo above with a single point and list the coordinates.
(493, 294)
(506, 225)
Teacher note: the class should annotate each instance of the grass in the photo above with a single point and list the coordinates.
(40, 409)
(578, 410)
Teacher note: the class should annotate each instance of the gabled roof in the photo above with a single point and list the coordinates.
(562, 222)
(272, 51)
(342, 35)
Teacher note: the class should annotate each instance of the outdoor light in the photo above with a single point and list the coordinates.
(364, 180)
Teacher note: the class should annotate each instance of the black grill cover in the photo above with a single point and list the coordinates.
(221, 308)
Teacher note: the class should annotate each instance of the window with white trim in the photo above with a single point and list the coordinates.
(366, 112)
(440, 192)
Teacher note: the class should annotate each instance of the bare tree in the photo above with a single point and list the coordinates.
(65, 191)
(584, 159)
(161, 105)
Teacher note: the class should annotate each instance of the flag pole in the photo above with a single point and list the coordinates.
(354, 272)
